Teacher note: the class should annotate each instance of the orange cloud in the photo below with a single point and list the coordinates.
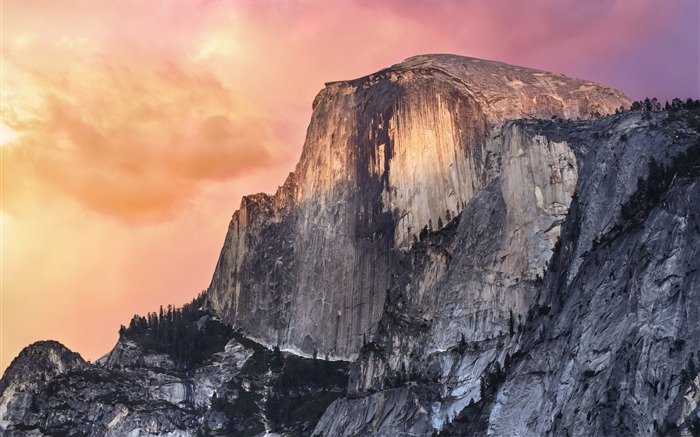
(129, 137)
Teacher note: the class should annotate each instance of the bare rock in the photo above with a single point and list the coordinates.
(386, 156)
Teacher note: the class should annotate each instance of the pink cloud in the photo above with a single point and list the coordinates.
(129, 137)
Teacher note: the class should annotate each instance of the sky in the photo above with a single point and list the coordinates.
(131, 129)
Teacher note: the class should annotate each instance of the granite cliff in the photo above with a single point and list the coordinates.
(607, 344)
(386, 156)
(465, 248)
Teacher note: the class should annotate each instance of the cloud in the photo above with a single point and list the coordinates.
(130, 118)
(128, 136)
(641, 47)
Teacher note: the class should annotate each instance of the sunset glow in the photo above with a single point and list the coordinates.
(130, 130)
(7, 135)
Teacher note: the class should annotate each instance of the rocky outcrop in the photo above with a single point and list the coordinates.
(49, 390)
(40, 362)
(243, 390)
(126, 353)
(386, 156)
(30, 373)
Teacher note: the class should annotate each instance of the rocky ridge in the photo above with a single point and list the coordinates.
(245, 390)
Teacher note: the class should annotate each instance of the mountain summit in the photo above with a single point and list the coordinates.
(465, 248)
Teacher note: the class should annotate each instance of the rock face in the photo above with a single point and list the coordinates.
(386, 156)
(30, 373)
(240, 390)
(491, 266)
(49, 390)
(618, 353)
(606, 344)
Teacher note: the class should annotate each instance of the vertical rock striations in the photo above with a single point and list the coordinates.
(607, 344)
(386, 156)
(618, 354)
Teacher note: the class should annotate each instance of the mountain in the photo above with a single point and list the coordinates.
(465, 248)
(385, 156)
